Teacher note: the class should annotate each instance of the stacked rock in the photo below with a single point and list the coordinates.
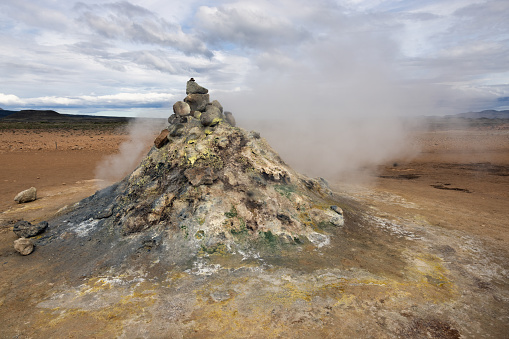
(196, 108)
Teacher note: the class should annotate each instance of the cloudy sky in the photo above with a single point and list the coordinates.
(272, 58)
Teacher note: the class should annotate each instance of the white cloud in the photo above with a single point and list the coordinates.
(132, 23)
(115, 100)
(377, 55)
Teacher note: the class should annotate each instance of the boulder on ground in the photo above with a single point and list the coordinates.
(181, 108)
(24, 246)
(25, 229)
(26, 195)
(193, 88)
(197, 102)
(162, 138)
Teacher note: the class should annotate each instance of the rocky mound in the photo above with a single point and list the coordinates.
(214, 183)
(208, 186)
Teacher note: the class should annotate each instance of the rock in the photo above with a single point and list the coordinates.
(24, 246)
(181, 108)
(162, 138)
(26, 195)
(172, 119)
(217, 104)
(193, 88)
(25, 229)
(228, 116)
(337, 209)
(176, 130)
(197, 102)
(211, 117)
(200, 176)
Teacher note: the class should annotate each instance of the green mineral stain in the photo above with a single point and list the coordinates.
(242, 230)
(285, 190)
(232, 213)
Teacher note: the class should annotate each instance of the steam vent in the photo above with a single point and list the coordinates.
(214, 236)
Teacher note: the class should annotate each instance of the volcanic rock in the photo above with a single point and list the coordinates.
(181, 108)
(24, 246)
(172, 119)
(193, 88)
(211, 117)
(217, 104)
(197, 102)
(25, 229)
(26, 195)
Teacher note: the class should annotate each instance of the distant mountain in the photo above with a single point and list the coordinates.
(488, 114)
(52, 116)
(4, 113)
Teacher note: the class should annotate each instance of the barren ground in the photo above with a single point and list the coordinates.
(457, 185)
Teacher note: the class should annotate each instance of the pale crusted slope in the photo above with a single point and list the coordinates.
(220, 184)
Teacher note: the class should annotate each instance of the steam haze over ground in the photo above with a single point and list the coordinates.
(324, 81)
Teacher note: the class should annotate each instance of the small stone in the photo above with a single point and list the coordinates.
(193, 88)
(26, 195)
(197, 114)
(25, 229)
(211, 117)
(197, 102)
(162, 139)
(228, 116)
(181, 108)
(337, 209)
(24, 246)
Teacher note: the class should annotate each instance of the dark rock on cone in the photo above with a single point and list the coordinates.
(25, 229)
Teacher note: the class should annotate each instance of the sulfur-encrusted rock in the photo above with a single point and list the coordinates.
(181, 108)
(26, 195)
(24, 246)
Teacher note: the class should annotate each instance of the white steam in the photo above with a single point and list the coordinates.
(141, 134)
(333, 106)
